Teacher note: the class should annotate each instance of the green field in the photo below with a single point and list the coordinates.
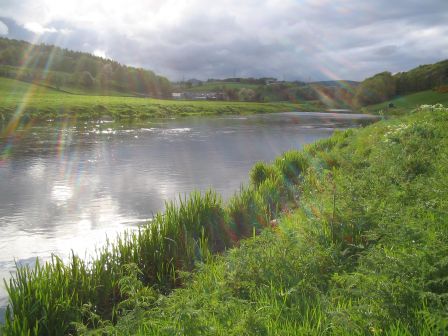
(409, 102)
(352, 240)
(38, 102)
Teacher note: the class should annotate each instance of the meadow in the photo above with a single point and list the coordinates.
(37, 102)
(347, 237)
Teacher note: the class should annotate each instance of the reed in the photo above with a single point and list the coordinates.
(51, 298)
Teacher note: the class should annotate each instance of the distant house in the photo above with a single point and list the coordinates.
(270, 81)
(178, 95)
(198, 95)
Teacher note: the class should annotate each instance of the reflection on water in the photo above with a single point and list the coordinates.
(65, 188)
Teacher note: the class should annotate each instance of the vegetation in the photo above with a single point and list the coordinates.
(334, 94)
(85, 74)
(354, 236)
(384, 86)
(219, 86)
(324, 94)
(55, 298)
(400, 105)
(376, 89)
(364, 254)
(68, 70)
(424, 77)
(24, 101)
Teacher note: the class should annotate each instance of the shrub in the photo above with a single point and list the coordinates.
(260, 172)
(247, 212)
(292, 165)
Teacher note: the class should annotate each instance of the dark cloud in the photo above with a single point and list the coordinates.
(317, 39)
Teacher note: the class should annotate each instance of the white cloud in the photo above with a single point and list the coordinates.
(38, 28)
(3, 29)
(100, 53)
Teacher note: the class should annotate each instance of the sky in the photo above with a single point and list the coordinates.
(287, 39)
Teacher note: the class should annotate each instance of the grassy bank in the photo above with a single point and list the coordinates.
(354, 236)
(57, 297)
(34, 102)
(365, 253)
(403, 104)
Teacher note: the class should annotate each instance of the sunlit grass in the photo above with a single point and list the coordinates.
(51, 297)
(364, 254)
(43, 103)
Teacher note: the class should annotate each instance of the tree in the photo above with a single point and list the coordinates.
(376, 89)
(86, 79)
(246, 94)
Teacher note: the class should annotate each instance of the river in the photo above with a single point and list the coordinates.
(65, 187)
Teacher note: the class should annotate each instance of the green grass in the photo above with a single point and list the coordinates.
(16, 72)
(409, 102)
(55, 298)
(365, 253)
(28, 101)
(353, 241)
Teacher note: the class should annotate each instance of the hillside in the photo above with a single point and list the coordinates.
(76, 72)
(402, 104)
(385, 86)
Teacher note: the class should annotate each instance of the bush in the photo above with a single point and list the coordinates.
(260, 172)
(292, 165)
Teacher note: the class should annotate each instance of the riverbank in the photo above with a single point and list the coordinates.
(364, 253)
(95, 179)
(24, 101)
(353, 235)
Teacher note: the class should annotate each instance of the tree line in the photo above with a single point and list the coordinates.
(384, 86)
(60, 67)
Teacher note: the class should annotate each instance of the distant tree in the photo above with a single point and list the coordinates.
(424, 77)
(105, 76)
(86, 79)
(121, 78)
(10, 56)
(165, 87)
(246, 94)
(231, 94)
(376, 89)
(56, 80)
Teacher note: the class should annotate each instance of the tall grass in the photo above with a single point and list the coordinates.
(364, 253)
(51, 299)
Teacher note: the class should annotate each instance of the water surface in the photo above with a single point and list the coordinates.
(66, 187)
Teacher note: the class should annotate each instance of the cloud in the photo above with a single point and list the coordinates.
(99, 53)
(38, 28)
(3, 29)
(307, 39)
